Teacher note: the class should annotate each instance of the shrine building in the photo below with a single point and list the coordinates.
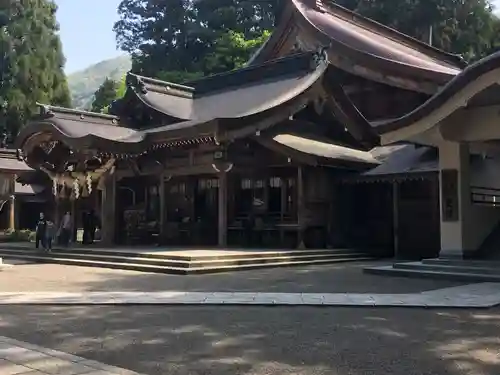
(339, 132)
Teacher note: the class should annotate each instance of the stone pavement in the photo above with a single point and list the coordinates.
(257, 340)
(21, 358)
(481, 295)
(339, 278)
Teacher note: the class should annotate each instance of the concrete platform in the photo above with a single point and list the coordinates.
(177, 260)
(445, 269)
(4, 266)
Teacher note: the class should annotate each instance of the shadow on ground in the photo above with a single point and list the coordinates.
(267, 340)
(338, 278)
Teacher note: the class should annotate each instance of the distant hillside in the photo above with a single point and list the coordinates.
(83, 84)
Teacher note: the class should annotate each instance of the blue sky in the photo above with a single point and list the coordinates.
(86, 31)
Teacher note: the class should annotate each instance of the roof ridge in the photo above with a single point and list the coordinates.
(137, 82)
(310, 60)
(396, 35)
(50, 110)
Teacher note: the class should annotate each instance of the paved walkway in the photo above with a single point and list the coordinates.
(22, 358)
(481, 295)
(338, 278)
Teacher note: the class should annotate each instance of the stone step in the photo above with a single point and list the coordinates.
(166, 261)
(177, 270)
(463, 263)
(4, 266)
(160, 253)
(413, 273)
(462, 269)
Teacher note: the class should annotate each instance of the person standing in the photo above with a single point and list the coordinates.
(65, 230)
(49, 235)
(41, 228)
(93, 223)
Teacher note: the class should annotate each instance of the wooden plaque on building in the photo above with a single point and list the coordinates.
(449, 195)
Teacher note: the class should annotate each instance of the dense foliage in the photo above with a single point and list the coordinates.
(181, 35)
(182, 38)
(31, 61)
(104, 95)
(466, 27)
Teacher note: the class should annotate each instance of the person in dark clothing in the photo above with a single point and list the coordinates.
(49, 235)
(92, 224)
(41, 229)
(65, 230)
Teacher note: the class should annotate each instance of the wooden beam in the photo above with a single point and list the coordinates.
(12, 213)
(163, 216)
(222, 210)
(108, 211)
(395, 217)
(300, 207)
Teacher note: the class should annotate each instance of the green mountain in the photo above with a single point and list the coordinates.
(84, 83)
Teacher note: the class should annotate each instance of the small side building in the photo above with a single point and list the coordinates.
(21, 192)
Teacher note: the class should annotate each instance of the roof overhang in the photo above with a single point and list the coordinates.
(361, 46)
(326, 153)
(263, 104)
(452, 100)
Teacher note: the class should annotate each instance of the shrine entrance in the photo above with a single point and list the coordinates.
(138, 210)
(191, 210)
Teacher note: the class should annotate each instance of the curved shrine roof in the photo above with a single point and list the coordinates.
(257, 97)
(458, 93)
(10, 164)
(233, 94)
(78, 129)
(360, 45)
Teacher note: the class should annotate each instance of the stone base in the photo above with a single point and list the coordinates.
(458, 254)
(452, 254)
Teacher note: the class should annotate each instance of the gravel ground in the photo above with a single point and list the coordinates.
(339, 278)
(271, 341)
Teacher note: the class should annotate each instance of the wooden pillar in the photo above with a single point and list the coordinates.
(74, 223)
(12, 213)
(222, 210)
(283, 197)
(395, 217)
(56, 212)
(163, 207)
(108, 215)
(300, 207)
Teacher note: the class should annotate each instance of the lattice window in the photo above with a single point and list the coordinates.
(275, 182)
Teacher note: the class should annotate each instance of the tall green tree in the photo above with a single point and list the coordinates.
(31, 61)
(466, 27)
(178, 35)
(152, 30)
(232, 51)
(104, 95)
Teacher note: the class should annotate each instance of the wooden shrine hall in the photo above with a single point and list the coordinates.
(258, 156)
